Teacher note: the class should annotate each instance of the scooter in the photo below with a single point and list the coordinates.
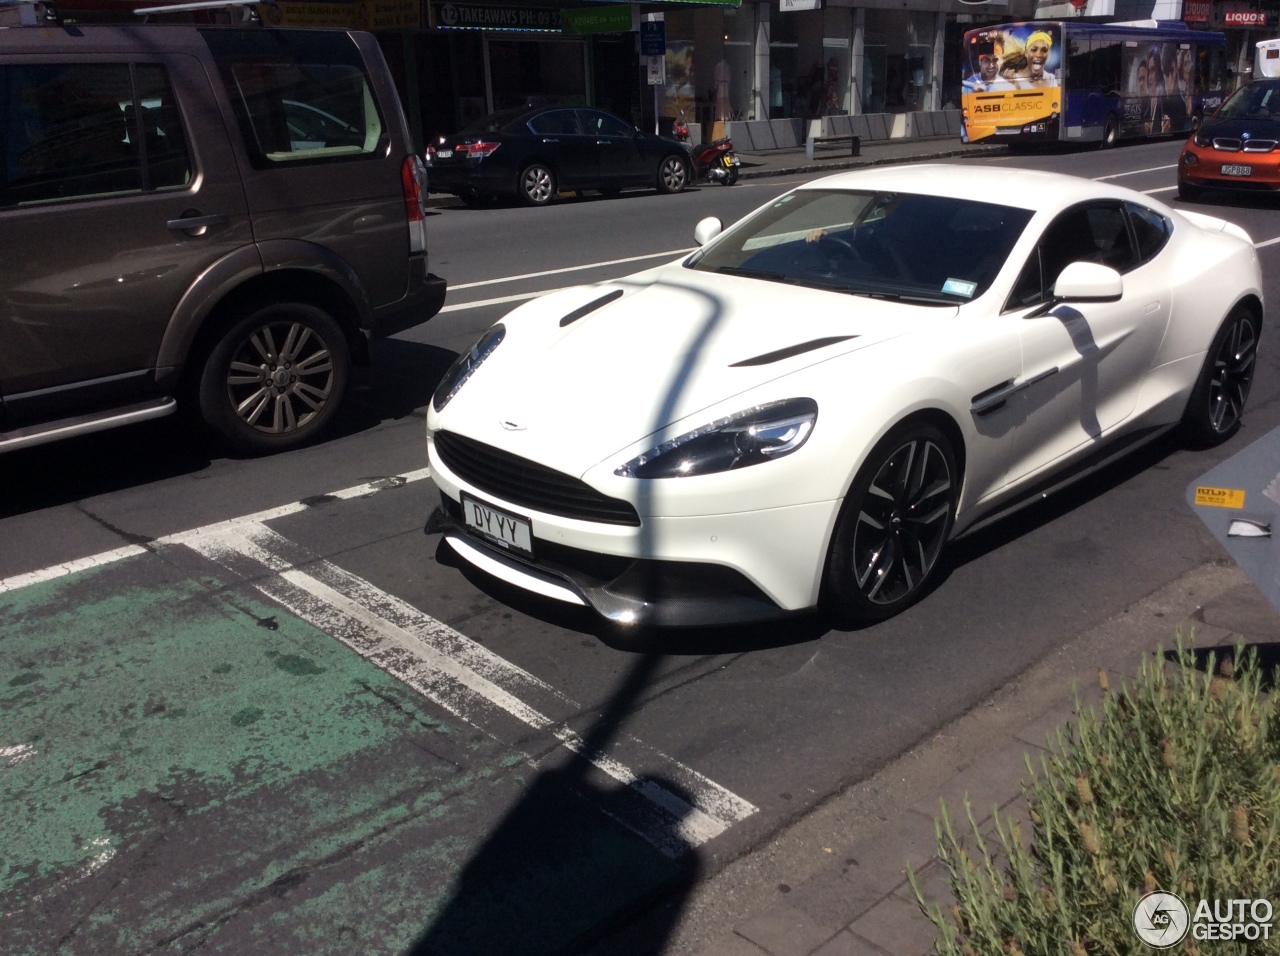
(715, 162)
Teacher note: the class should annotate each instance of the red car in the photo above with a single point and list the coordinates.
(1238, 147)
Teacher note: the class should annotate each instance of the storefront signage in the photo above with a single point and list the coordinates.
(290, 14)
(653, 38)
(478, 16)
(1197, 11)
(389, 15)
(1244, 18)
(615, 19)
(785, 5)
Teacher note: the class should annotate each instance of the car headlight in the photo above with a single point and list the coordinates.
(465, 365)
(749, 437)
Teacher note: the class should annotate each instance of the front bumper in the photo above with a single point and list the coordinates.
(1202, 167)
(667, 572)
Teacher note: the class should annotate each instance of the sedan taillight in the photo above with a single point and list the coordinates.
(478, 150)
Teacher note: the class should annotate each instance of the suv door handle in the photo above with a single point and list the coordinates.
(545, 140)
(188, 222)
(604, 142)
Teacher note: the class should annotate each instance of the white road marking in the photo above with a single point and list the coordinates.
(500, 300)
(70, 567)
(1161, 189)
(1266, 242)
(463, 677)
(671, 254)
(109, 557)
(1135, 172)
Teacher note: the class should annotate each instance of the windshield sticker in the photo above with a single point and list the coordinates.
(960, 287)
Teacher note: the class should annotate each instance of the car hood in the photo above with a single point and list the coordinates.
(671, 350)
(1241, 128)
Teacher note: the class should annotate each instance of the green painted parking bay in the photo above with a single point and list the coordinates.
(184, 764)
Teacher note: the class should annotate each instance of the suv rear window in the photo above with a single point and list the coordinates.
(298, 96)
(79, 130)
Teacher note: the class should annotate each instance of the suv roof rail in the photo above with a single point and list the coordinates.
(28, 13)
(245, 11)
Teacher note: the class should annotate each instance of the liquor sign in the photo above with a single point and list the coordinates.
(1244, 18)
(1197, 11)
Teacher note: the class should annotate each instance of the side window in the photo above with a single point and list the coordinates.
(555, 123)
(299, 96)
(1093, 233)
(1151, 229)
(602, 124)
(73, 131)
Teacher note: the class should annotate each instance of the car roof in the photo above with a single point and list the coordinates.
(1021, 188)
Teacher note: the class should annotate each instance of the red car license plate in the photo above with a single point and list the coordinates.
(1231, 169)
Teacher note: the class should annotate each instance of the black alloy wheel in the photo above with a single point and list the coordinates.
(893, 525)
(673, 174)
(1216, 407)
(537, 185)
(275, 378)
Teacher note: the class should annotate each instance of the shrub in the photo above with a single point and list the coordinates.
(1174, 785)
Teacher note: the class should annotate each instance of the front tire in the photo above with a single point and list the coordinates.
(537, 185)
(1189, 193)
(893, 525)
(275, 378)
(1216, 406)
(673, 175)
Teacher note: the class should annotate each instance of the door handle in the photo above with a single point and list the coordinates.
(545, 140)
(190, 222)
(604, 142)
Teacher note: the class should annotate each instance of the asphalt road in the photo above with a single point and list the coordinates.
(276, 719)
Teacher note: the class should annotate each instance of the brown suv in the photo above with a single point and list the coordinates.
(216, 215)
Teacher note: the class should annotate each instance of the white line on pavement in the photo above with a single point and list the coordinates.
(109, 557)
(481, 303)
(462, 676)
(1135, 172)
(670, 254)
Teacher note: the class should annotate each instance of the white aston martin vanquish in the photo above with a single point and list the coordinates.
(806, 409)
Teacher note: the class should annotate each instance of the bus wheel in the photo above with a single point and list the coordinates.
(1110, 131)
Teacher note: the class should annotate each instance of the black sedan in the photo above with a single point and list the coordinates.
(532, 154)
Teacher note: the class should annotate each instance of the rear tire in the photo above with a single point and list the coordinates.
(732, 177)
(536, 185)
(1216, 406)
(673, 174)
(1110, 132)
(275, 378)
(892, 526)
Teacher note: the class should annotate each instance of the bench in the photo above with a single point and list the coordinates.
(854, 141)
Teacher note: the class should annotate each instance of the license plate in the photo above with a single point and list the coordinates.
(508, 530)
(1229, 169)
(731, 160)
(444, 153)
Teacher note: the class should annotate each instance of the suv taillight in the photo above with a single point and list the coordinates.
(413, 177)
(478, 150)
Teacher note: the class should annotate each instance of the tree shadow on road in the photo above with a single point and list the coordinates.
(586, 848)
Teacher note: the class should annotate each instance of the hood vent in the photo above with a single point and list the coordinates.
(590, 307)
(768, 358)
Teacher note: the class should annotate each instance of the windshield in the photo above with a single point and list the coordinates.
(1252, 101)
(928, 249)
(494, 122)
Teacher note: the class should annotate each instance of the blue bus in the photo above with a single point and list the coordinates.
(1079, 81)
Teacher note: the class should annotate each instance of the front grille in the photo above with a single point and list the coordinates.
(526, 483)
(1228, 144)
(1259, 145)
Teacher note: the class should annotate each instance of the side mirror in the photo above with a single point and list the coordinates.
(706, 230)
(1088, 282)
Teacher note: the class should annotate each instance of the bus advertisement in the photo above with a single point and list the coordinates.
(1042, 82)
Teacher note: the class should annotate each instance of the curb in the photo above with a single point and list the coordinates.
(852, 163)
